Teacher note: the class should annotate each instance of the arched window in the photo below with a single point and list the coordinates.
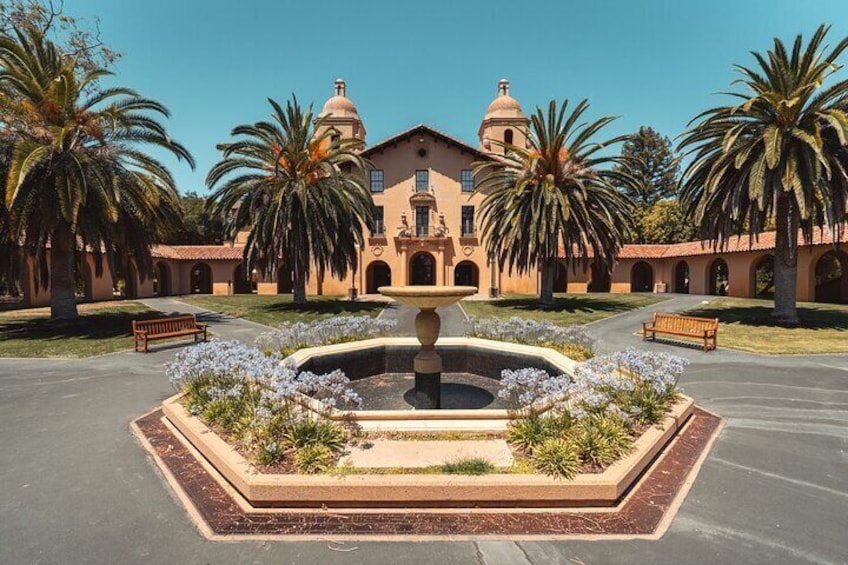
(508, 136)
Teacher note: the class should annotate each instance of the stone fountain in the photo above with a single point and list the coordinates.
(427, 364)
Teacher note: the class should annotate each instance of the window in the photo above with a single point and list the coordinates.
(466, 179)
(422, 181)
(377, 180)
(379, 223)
(468, 220)
(422, 221)
(508, 136)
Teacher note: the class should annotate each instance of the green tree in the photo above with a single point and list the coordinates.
(651, 166)
(302, 195)
(198, 226)
(554, 199)
(780, 153)
(666, 222)
(79, 177)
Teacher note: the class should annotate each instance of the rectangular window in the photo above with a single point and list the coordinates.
(422, 181)
(468, 221)
(379, 224)
(466, 179)
(377, 180)
(422, 221)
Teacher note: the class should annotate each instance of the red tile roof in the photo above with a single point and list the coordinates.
(199, 252)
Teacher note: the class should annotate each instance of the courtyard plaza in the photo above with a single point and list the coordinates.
(772, 490)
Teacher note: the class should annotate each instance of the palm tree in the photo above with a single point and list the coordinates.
(79, 178)
(300, 193)
(555, 199)
(779, 154)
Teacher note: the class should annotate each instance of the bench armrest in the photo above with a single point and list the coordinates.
(140, 332)
(201, 325)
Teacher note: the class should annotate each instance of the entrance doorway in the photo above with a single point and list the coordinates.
(377, 274)
(423, 270)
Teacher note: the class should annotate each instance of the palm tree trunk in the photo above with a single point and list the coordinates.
(299, 289)
(546, 293)
(63, 302)
(785, 263)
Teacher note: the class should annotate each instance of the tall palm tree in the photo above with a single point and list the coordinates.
(779, 154)
(301, 194)
(556, 198)
(79, 177)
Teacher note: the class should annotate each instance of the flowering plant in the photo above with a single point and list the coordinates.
(293, 336)
(574, 341)
(526, 387)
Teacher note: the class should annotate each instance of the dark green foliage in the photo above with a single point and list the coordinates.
(314, 458)
(556, 457)
(306, 431)
(198, 225)
(602, 439)
(469, 466)
(650, 166)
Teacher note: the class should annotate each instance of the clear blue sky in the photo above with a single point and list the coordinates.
(214, 62)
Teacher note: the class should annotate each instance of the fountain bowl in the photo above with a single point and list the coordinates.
(427, 297)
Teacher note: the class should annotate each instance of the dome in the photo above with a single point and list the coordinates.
(340, 106)
(504, 106)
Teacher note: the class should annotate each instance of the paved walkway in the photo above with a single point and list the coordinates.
(453, 319)
(75, 487)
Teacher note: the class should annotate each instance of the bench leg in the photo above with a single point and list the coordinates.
(145, 345)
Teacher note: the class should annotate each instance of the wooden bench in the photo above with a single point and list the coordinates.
(687, 326)
(145, 331)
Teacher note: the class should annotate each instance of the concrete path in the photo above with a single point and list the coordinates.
(75, 486)
(453, 319)
(222, 325)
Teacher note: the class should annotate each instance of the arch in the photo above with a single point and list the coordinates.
(718, 277)
(560, 277)
(681, 277)
(242, 284)
(641, 277)
(83, 277)
(508, 136)
(601, 280)
(377, 274)
(161, 279)
(422, 269)
(285, 280)
(831, 277)
(201, 279)
(762, 277)
(466, 273)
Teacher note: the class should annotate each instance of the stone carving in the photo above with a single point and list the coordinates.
(404, 230)
(442, 229)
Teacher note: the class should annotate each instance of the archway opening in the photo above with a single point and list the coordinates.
(681, 277)
(832, 278)
(560, 277)
(83, 282)
(10, 291)
(762, 277)
(242, 283)
(377, 274)
(161, 279)
(641, 277)
(718, 278)
(466, 273)
(423, 270)
(601, 280)
(285, 280)
(201, 279)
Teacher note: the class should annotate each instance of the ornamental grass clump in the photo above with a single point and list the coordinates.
(596, 414)
(573, 341)
(256, 401)
(299, 335)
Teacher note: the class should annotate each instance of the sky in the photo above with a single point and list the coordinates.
(214, 63)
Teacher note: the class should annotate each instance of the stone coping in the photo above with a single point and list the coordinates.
(483, 420)
(425, 490)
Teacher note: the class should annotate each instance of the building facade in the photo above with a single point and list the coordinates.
(428, 233)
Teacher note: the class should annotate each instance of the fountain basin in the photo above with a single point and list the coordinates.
(427, 297)
(481, 358)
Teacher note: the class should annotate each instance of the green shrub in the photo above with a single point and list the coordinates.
(556, 457)
(602, 439)
(305, 432)
(269, 452)
(314, 458)
(468, 466)
(527, 433)
(576, 351)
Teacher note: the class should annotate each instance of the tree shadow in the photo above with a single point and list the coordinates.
(821, 318)
(570, 304)
(92, 326)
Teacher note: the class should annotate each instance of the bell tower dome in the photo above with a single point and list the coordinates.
(504, 122)
(341, 114)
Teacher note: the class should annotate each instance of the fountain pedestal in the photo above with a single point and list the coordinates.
(427, 364)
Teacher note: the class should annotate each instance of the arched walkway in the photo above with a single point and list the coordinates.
(832, 277)
(601, 280)
(762, 277)
(718, 277)
(681, 278)
(201, 279)
(422, 269)
(466, 273)
(377, 274)
(285, 280)
(241, 283)
(83, 282)
(561, 277)
(161, 279)
(641, 277)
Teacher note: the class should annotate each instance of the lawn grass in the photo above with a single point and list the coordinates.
(568, 309)
(275, 309)
(102, 328)
(744, 324)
